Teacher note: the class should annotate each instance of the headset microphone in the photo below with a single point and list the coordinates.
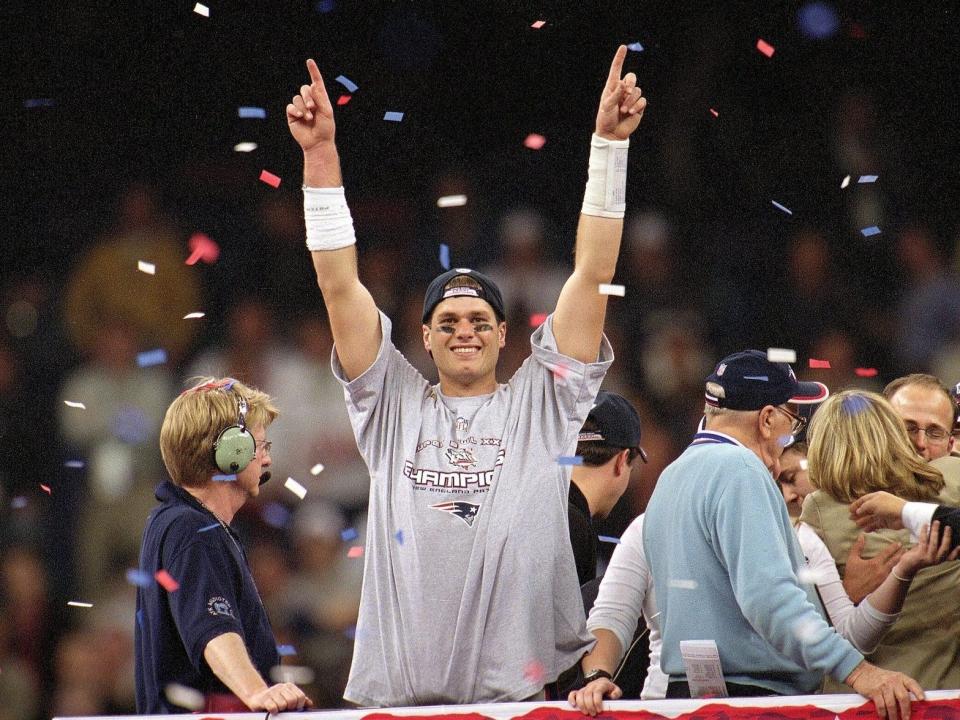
(264, 477)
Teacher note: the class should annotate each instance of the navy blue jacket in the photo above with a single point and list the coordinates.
(216, 596)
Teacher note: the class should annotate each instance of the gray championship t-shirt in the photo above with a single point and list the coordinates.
(469, 589)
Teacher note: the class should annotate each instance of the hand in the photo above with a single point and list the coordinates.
(862, 576)
(927, 551)
(279, 697)
(889, 690)
(310, 114)
(589, 698)
(877, 510)
(621, 104)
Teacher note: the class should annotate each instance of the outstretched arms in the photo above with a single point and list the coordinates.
(579, 317)
(354, 319)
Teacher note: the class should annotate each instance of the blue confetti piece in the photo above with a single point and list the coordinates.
(399, 536)
(444, 256)
(764, 378)
(351, 632)
(214, 526)
(854, 404)
(393, 116)
(140, 618)
(870, 231)
(276, 515)
(75, 464)
(18, 503)
(636, 47)
(864, 179)
(324, 6)
(39, 103)
(252, 113)
(349, 84)
(778, 206)
(286, 650)
(140, 578)
(151, 357)
(224, 478)
(348, 534)
(570, 460)
(228, 386)
(608, 539)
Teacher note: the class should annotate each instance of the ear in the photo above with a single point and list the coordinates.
(766, 421)
(502, 334)
(426, 338)
(950, 443)
(621, 465)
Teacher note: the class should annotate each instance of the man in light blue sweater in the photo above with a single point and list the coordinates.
(725, 559)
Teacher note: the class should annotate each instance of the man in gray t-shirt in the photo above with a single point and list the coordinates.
(470, 591)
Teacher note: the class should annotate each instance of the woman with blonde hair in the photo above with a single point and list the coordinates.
(858, 444)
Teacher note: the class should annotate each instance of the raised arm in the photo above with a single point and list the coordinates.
(354, 319)
(578, 320)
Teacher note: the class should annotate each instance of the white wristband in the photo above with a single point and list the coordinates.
(605, 195)
(328, 220)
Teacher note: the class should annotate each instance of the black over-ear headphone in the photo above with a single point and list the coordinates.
(235, 447)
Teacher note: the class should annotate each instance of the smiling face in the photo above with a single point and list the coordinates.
(465, 338)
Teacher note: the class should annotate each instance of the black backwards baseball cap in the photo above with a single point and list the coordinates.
(617, 423)
(748, 381)
(437, 292)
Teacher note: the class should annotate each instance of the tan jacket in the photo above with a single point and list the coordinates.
(924, 642)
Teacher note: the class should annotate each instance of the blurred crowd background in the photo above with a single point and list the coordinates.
(120, 123)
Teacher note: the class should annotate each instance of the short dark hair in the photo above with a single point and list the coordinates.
(597, 452)
(931, 382)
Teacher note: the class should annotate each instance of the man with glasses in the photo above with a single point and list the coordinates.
(725, 559)
(927, 409)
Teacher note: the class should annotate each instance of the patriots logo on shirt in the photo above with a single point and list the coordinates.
(466, 511)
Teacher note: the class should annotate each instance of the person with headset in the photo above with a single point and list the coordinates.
(200, 621)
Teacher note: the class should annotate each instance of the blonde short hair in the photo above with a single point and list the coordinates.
(195, 419)
(859, 444)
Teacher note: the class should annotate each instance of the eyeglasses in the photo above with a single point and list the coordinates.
(265, 445)
(934, 433)
(797, 423)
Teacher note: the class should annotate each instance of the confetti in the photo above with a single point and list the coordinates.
(804, 465)
(785, 209)
(855, 404)
(570, 460)
(166, 581)
(560, 371)
(714, 112)
(150, 358)
(538, 319)
(207, 528)
(296, 674)
(46, 489)
(534, 141)
(252, 113)
(809, 576)
(778, 355)
(193, 316)
(286, 650)
(145, 267)
(224, 478)
(444, 256)
(351, 632)
(846, 181)
(344, 99)
(296, 488)
(819, 364)
(534, 672)
(77, 603)
(269, 178)
(324, 6)
(74, 404)
(864, 179)
(201, 9)
(608, 539)
(245, 147)
(39, 102)
(451, 201)
(866, 372)
(870, 231)
(764, 47)
(76, 464)
(807, 630)
(607, 289)
(538, 24)
(351, 86)
(276, 515)
(202, 248)
(761, 378)
(138, 577)
(185, 697)
(399, 536)
(18, 503)
(355, 552)
(683, 584)
(316, 469)
(393, 116)
(635, 47)
(348, 534)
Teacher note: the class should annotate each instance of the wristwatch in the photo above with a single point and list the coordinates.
(596, 674)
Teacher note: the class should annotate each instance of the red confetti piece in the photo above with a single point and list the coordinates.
(534, 672)
(269, 178)
(866, 372)
(560, 372)
(714, 112)
(202, 248)
(534, 141)
(537, 319)
(538, 24)
(765, 47)
(355, 552)
(45, 488)
(166, 581)
(344, 99)
(819, 364)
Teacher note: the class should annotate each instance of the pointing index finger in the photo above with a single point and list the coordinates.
(616, 67)
(314, 71)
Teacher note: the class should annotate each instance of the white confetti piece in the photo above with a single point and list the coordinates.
(807, 630)
(451, 201)
(779, 355)
(809, 576)
(608, 289)
(296, 674)
(193, 315)
(245, 147)
(74, 404)
(803, 464)
(316, 469)
(184, 696)
(785, 209)
(865, 179)
(148, 268)
(296, 488)
(201, 9)
(683, 584)
(77, 603)
(846, 181)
